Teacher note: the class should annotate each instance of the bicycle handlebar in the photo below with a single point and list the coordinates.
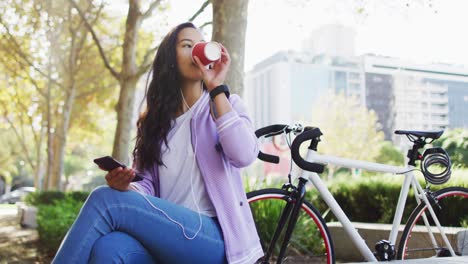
(269, 131)
(314, 133)
(308, 134)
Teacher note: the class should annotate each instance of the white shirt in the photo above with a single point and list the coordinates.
(180, 180)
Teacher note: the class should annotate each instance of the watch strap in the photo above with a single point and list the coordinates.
(219, 89)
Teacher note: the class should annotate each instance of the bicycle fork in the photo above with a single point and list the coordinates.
(291, 211)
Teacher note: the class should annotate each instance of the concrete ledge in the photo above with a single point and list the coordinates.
(346, 251)
(450, 260)
(27, 215)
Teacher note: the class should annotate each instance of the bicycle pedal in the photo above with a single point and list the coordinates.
(385, 250)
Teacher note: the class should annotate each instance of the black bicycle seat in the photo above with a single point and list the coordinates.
(426, 134)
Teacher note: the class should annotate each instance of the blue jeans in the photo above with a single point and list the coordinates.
(122, 227)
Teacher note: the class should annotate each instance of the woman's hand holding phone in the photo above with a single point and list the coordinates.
(120, 178)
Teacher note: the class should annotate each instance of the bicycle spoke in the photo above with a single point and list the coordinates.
(309, 243)
(421, 241)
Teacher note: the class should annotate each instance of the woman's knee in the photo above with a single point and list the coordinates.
(119, 247)
(101, 193)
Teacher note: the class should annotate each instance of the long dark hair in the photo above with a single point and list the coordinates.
(163, 100)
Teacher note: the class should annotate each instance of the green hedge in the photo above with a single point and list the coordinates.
(370, 199)
(53, 222)
(56, 213)
(374, 199)
(49, 197)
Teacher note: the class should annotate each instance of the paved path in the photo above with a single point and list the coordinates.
(17, 244)
(451, 260)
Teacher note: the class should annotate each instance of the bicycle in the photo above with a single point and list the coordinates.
(290, 214)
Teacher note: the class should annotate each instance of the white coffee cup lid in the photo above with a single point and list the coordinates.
(212, 51)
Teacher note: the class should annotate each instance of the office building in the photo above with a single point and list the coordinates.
(407, 95)
(284, 87)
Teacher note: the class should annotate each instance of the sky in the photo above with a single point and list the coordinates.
(420, 31)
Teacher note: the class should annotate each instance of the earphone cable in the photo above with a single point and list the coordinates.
(191, 184)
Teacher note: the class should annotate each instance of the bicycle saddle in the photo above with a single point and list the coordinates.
(426, 134)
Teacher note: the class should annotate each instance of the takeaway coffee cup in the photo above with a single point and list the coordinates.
(207, 52)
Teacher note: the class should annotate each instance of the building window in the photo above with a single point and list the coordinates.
(353, 76)
(355, 87)
(340, 81)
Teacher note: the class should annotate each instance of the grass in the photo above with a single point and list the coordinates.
(8, 206)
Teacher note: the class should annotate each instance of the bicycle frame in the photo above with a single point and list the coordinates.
(409, 180)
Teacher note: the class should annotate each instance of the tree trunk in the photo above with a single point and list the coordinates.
(129, 74)
(49, 132)
(229, 25)
(38, 170)
(128, 79)
(124, 120)
(63, 116)
(61, 137)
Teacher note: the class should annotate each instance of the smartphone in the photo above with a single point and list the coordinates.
(108, 163)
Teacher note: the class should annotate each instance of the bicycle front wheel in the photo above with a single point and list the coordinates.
(422, 239)
(310, 240)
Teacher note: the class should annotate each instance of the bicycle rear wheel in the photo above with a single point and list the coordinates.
(310, 241)
(420, 241)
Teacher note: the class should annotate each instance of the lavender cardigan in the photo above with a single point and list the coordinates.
(221, 171)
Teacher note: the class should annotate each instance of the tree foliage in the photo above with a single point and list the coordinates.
(47, 57)
(349, 129)
(69, 73)
(455, 142)
(127, 70)
(389, 154)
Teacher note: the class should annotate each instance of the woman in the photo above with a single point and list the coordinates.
(190, 206)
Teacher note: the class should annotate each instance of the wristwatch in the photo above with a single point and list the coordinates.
(219, 89)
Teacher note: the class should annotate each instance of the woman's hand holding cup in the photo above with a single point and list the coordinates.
(215, 75)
